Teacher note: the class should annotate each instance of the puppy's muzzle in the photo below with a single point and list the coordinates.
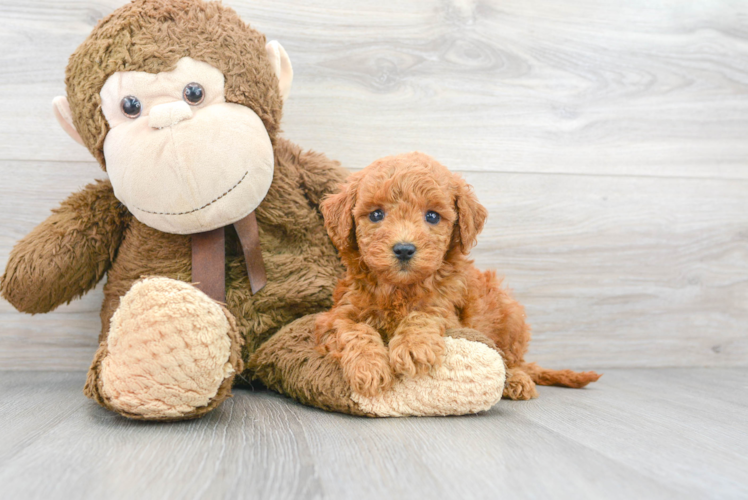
(404, 251)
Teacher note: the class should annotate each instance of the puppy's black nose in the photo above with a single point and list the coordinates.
(404, 251)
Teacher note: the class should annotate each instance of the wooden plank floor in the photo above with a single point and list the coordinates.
(638, 433)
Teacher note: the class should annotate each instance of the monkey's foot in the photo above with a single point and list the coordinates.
(171, 353)
(469, 380)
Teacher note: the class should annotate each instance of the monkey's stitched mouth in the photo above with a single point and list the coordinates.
(199, 208)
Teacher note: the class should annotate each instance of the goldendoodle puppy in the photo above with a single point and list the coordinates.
(404, 226)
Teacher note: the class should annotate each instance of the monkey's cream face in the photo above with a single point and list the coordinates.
(180, 157)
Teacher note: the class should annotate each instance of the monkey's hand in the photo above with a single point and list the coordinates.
(67, 254)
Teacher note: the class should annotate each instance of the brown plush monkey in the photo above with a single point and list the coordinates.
(180, 102)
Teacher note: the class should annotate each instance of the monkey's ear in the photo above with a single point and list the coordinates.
(337, 209)
(281, 65)
(65, 118)
(471, 215)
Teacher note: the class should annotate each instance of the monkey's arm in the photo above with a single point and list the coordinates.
(289, 363)
(67, 254)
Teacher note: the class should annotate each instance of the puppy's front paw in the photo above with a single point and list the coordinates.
(413, 355)
(519, 386)
(369, 372)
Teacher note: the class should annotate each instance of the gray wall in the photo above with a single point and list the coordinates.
(608, 139)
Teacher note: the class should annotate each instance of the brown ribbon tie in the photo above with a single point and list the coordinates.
(209, 258)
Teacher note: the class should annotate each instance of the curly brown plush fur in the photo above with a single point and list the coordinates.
(391, 311)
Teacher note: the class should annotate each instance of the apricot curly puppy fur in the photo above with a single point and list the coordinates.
(404, 226)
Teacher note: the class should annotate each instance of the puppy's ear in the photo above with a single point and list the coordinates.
(337, 209)
(471, 215)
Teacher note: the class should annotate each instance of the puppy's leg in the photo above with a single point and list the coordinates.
(504, 322)
(363, 357)
(493, 311)
(418, 344)
(519, 385)
(513, 340)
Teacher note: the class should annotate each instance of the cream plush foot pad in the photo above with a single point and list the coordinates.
(470, 380)
(168, 350)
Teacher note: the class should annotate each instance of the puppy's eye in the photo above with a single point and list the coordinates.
(193, 93)
(433, 217)
(130, 106)
(376, 215)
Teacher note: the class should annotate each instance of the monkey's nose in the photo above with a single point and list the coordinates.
(404, 251)
(171, 113)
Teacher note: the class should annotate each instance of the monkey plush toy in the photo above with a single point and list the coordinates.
(208, 229)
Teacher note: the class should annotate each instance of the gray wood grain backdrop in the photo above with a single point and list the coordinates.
(608, 139)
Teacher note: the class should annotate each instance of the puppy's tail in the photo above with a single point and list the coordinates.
(564, 378)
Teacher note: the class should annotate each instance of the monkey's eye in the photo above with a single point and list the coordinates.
(130, 106)
(433, 217)
(376, 216)
(193, 93)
